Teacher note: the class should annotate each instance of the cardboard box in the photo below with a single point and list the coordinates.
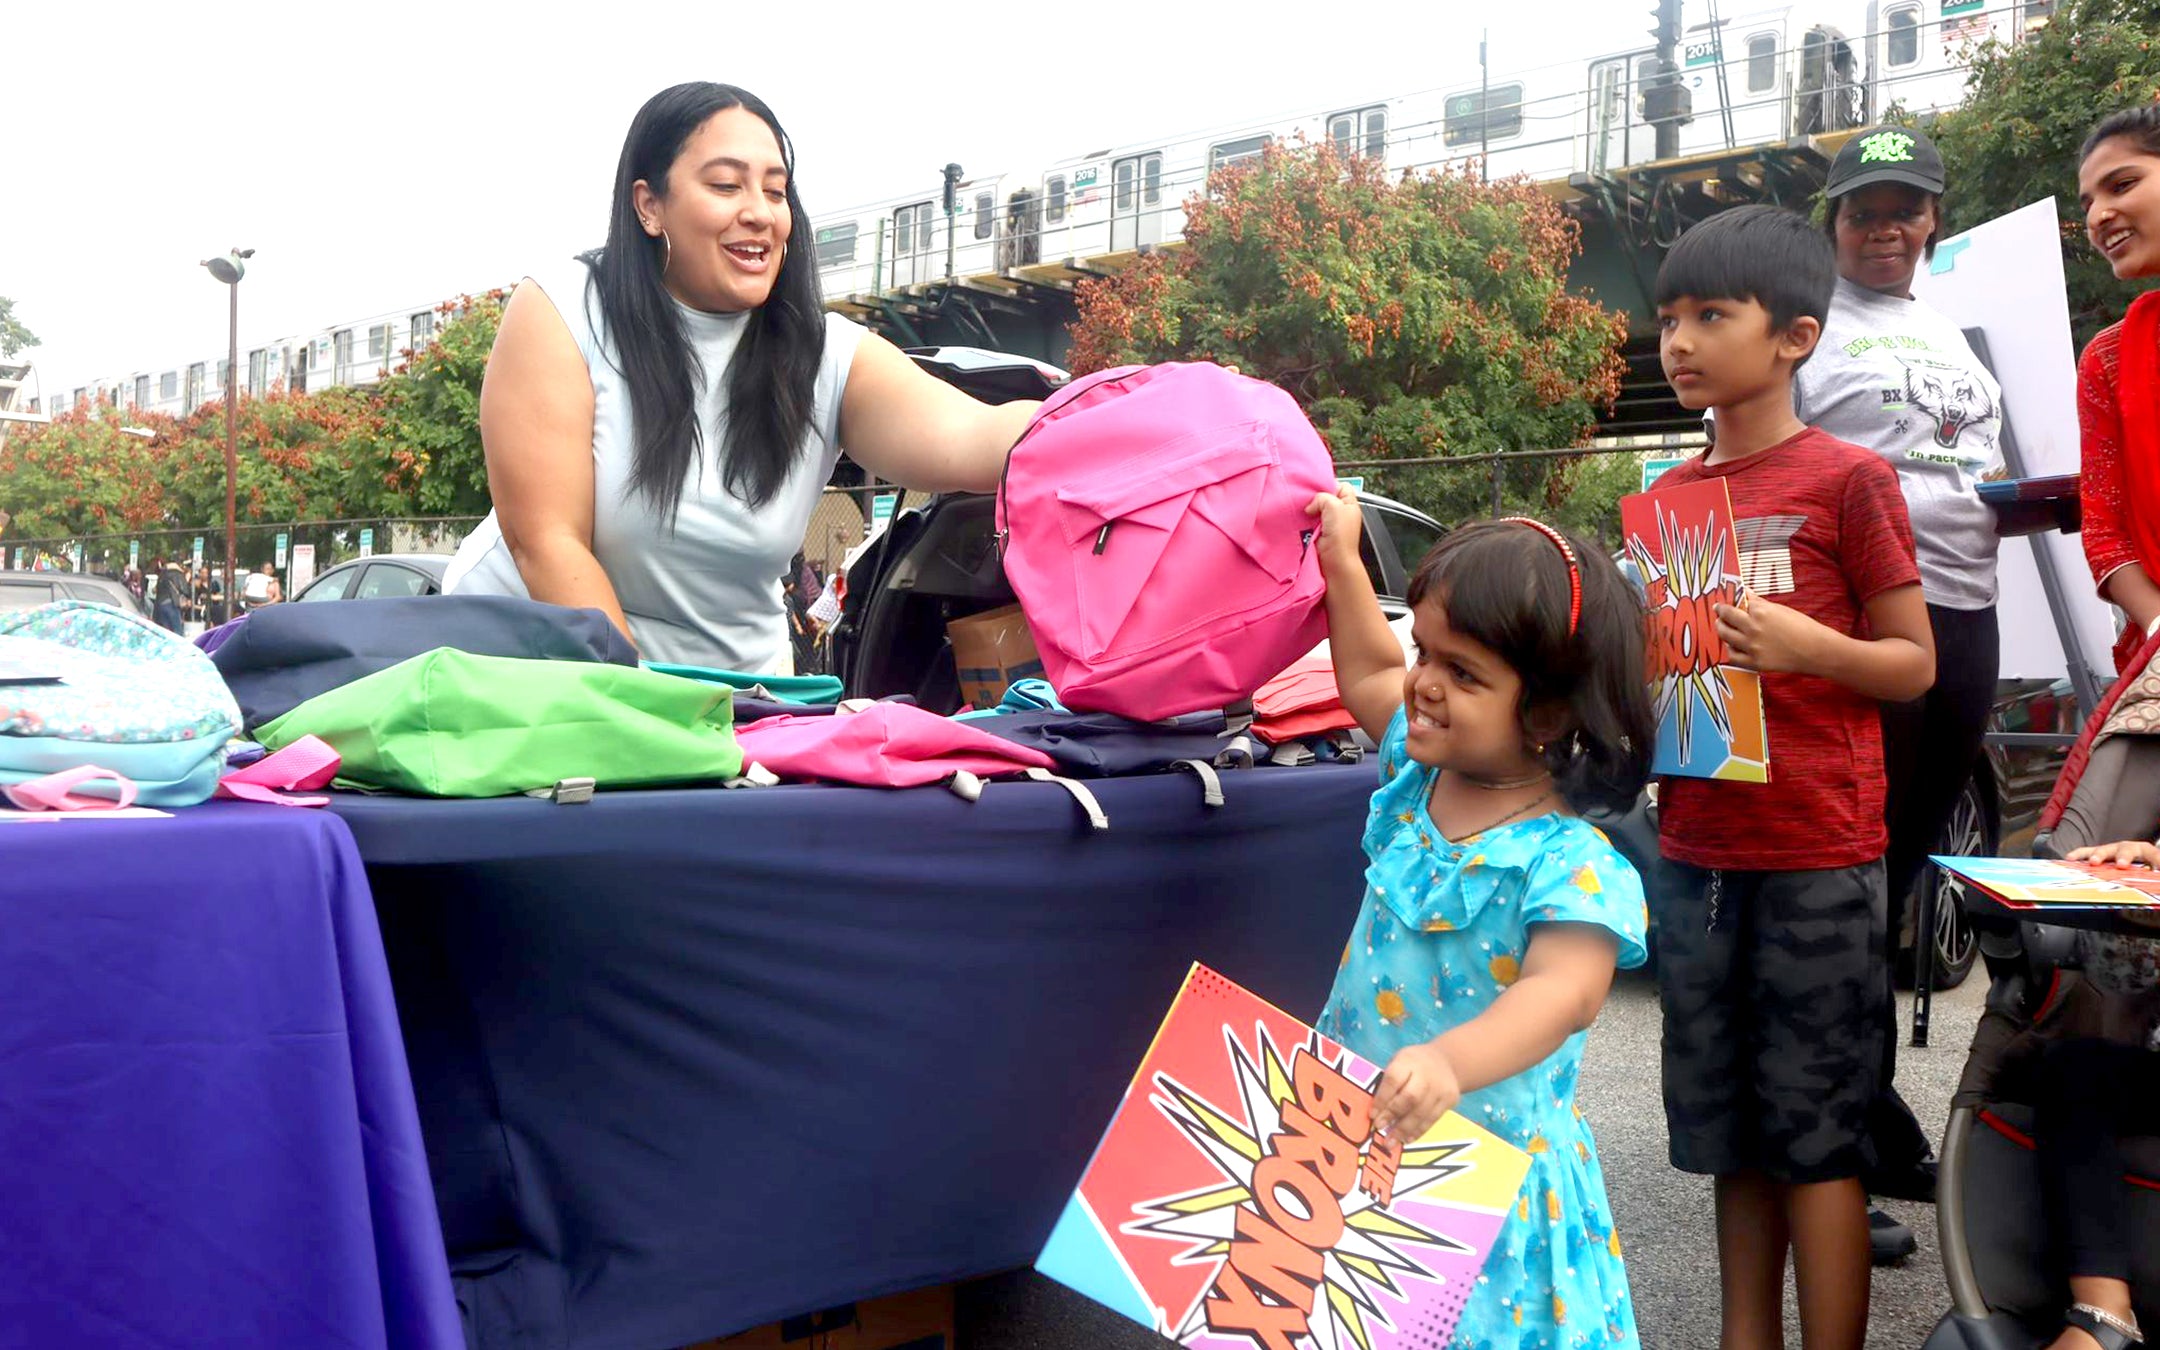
(991, 650)
(920, 1320)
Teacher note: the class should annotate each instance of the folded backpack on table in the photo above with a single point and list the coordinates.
(1021, 696)
(1301, 703)
(808, 690)
(898, 745)
(88, 684)
(452, 724)
(284, 655)
(1105, 745)
(1152, 522)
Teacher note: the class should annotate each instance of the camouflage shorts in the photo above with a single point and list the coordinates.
(1773, 986)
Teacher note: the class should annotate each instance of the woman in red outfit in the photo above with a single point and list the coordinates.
(2119, 375)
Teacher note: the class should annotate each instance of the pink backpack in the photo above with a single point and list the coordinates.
(894, 745)
(1153, 526)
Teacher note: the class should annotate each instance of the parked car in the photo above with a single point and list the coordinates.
(939, 562)
(379, 577)
(28, 590)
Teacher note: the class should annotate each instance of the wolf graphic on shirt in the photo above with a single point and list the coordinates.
(1950, 397)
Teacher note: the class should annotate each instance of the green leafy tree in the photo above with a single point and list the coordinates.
(433, 409)
(2016, 137)
(13, 335)
(1411, 317)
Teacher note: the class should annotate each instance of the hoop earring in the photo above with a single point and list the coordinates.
(667, 253)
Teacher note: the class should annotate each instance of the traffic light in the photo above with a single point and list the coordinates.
(1665, 28)
(952, 188)
(1666, 100)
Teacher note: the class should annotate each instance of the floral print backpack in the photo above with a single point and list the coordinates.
(84, 683)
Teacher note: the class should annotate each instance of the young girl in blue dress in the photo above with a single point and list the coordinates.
(1494, 915)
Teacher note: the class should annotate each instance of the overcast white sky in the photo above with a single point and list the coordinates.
(383, 156)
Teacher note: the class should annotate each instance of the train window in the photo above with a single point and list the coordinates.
(1121, 189)
(1236, 152)
(1054, 208)
(1151, 182)
(2038, 12)
(1904, 35)
(904, 230)
(168, 386)
(1362, 131)
(1477, 115)
(836, 245)
(985, 206)
(1762, 63)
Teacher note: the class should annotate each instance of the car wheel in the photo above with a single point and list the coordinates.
(1967, 834)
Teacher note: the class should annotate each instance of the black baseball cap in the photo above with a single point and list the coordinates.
(1886, 155)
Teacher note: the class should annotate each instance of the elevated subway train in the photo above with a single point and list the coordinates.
(1758, 77)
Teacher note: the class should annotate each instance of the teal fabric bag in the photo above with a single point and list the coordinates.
(807, 690)
(84, 683)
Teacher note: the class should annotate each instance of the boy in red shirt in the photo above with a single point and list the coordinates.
(1770, 904)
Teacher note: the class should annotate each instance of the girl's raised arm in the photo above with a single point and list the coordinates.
(1368, 659)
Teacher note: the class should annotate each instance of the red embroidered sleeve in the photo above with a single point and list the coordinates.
(2100, 478)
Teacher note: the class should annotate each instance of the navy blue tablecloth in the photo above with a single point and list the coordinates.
(688, 1062)
(207, 1134)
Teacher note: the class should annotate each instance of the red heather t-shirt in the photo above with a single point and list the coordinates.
(1823, 530)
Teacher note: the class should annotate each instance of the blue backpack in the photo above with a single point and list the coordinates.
(1105, 745)
(84, 683)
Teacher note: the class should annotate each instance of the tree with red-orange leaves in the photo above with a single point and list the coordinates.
(405, 446)
(1425, 314)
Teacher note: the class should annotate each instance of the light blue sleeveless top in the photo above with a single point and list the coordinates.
(707, 592)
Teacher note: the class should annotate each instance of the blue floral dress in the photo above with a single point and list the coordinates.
(1443, 931)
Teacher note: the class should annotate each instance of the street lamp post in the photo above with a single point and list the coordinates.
(229, 269)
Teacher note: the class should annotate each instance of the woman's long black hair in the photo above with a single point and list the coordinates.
(772, 379)
(1505, 585)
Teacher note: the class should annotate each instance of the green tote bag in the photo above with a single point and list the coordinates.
(452, 724)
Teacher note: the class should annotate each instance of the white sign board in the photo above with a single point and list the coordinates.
(2005, 278)
(303, 568)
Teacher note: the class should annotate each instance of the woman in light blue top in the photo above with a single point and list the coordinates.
(660, 417)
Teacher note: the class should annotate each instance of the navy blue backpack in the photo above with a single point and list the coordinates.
(284, 655)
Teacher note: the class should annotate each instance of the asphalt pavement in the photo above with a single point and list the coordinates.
(1664, 1215)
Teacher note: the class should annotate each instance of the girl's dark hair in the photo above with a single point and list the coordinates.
(1927, 250)
(772, 378)
(1505, 585)
(2141, 124)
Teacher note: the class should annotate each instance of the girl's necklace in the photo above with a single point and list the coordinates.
(1504, 784)
(1522, 810)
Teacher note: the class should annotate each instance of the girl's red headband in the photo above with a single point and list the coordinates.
(1574, 569)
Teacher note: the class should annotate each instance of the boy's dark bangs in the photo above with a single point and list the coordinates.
(1708, 267)
(1762, 254)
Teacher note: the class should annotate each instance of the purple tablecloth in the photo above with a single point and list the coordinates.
(207, 1132)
